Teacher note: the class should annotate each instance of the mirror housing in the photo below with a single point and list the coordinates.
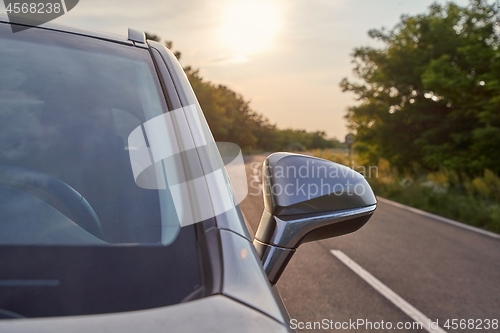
(307, 199)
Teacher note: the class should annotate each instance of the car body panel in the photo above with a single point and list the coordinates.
(251, 287)
(228, 262)
(244, 278)
(230, 220)
(210, 314)
(99, 35)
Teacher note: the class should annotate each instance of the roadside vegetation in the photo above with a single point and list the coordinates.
(429, 98)
(428, 111)
(475, 201)
(471, 200)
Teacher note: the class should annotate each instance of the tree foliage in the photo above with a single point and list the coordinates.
(231, 118)
(430, 97)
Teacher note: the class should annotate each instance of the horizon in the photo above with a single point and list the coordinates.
(288, 64)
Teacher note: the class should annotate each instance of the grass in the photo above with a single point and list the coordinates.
(474, 201)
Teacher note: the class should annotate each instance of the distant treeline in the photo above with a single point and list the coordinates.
(231, 119)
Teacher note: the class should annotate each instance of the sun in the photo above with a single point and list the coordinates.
(249, 26)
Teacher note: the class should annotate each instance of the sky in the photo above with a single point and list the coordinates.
(287, 57)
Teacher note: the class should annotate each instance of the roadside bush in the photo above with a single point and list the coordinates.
(472, 201)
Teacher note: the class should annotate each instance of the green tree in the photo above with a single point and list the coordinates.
(430, 98)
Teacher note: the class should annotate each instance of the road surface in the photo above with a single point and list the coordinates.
(441, 271)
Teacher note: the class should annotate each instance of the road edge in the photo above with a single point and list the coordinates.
(439, 218)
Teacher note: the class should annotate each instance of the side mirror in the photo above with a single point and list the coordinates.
(307, 199)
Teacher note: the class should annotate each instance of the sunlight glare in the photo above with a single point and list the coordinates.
(249, 26)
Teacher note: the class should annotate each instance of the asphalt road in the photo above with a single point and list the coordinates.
(443, 271)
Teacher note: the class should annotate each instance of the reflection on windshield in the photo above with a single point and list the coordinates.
(66, 114)
(165, 154)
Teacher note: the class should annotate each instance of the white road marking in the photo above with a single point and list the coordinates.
(64, 6)
(387, 293)
(439, 218)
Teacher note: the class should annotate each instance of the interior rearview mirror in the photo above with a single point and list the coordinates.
(307, 199)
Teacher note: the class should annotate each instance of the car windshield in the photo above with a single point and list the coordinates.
(67, 108)
(77, 234)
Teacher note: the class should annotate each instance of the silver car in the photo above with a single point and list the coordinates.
(117, 212)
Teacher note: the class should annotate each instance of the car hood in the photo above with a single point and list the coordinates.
(211, 314)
